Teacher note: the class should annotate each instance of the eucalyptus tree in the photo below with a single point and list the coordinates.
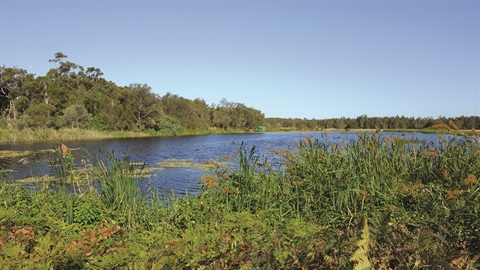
(192, 114)
(94, 73)
(40, 115)
(221, 118)
(66, 84)
(112, 108)
(59, 57)
(145, 105)
(75, 116)
(12, 87)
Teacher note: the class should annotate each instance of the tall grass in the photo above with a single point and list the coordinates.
(120, 187)
(64, 134)
(371, 202)
(426, 190)
(119, 183)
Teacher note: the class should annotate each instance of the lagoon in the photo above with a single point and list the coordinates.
(173, 160)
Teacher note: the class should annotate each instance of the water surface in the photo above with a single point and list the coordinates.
(152, 150)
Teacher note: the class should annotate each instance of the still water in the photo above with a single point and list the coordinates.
(193, 149)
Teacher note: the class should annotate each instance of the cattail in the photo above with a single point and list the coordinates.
(441, 126)
(429, 154)
(65, 150)
(452, 194)
(470, 180)
(271, 150)
(452, 125)
(209, 181)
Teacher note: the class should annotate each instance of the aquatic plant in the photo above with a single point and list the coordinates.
(370, 202)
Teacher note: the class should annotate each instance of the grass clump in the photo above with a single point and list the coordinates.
(371, 202)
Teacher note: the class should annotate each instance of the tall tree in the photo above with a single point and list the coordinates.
(59, 57)
(145, 105)
(194, 115)
(12, 81)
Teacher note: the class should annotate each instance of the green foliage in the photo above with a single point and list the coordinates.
(40, 115)
(414, 187)
(75, 116)
(72, 96)
(119, 188)
(393, 123)
(191, 114)
(97, 123)
(168, 126)
(232, 115)
(372, 202)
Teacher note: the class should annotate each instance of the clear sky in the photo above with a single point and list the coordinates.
(299, 59)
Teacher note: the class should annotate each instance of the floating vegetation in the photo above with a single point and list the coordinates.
(5, 170)
(19, 154)
(23, 156)
(145, 171)
(189, 163)
(83, 175)
(137, 164)
(43, 179)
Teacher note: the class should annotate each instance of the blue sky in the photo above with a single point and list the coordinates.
(298, 59)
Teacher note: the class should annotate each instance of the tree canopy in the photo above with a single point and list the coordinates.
(70, 95)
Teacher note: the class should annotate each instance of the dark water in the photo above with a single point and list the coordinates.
(195, 149)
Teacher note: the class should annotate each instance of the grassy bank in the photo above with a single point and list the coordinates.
(369, 203)
(64, 134)
(213, 130)
(69, 134)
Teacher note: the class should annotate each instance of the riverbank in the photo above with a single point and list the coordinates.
(64, 134)
(72, 134)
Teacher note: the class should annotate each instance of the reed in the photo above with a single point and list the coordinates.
(64, 134)
(370, 202)
(394, 180)
(119, 187)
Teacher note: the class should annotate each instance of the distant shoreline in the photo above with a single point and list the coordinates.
(424, 131)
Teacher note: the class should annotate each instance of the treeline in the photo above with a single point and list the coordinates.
(70, 95)
(365, 122)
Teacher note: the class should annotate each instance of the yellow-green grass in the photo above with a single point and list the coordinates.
(64, 134)
(71, 134)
